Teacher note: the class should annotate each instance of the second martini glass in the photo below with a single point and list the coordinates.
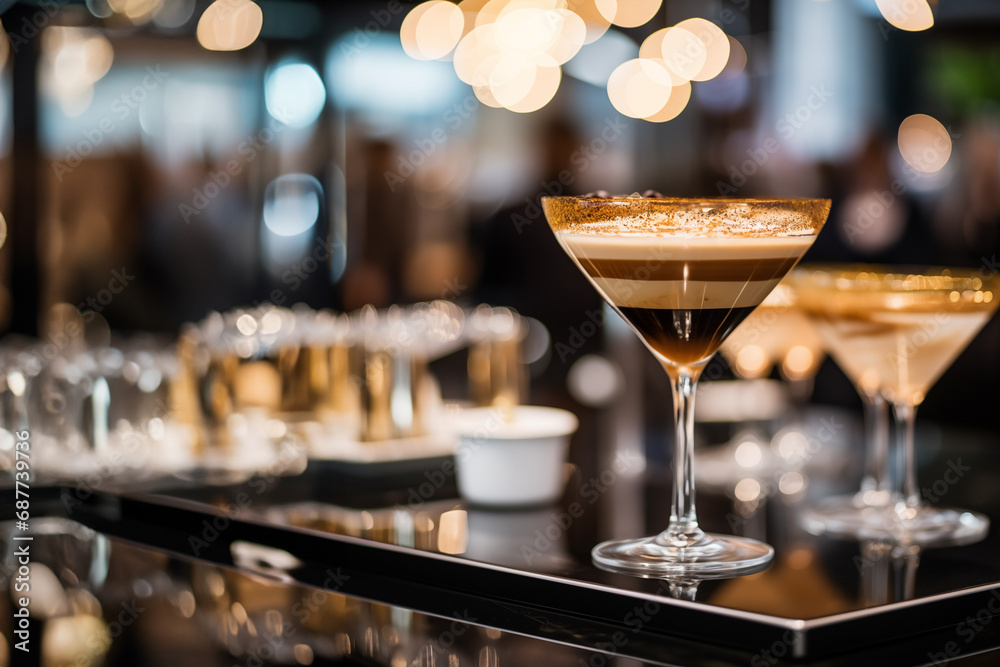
(846, 337)
(683, 273)
(904, 329)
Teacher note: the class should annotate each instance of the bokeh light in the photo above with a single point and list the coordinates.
(543, 89)
(798, 363)
(924, 143)
(594, 380)
(473, 52)
(684, 54)
(453, 532)
(174, 14)
(737, 61)
(294, 94)
(630, 13)
(639, 87)
(747, 489)
(748, 454)
(751, 362)
(911, 15)
(716, 45)
(510, 51)
(292, 204)
(80, 56)
(229, 25)
(679, 98)
(512, 77)
(74, 59)
(791, 483)
(136, 11)
(432, 29)
(594, 14)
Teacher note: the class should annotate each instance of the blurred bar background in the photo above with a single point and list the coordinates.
(149, 178)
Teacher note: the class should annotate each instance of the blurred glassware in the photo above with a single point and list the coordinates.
(778, 334)
(902, 329)
(397, 397)
(496, 373)
(68, 569)
(92, 414)
(19, 367)
(846, 343)
(340, 381)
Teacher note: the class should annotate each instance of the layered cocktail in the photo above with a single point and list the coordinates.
(683, 273)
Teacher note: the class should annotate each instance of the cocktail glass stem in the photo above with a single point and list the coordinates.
(683, 530)
(684, 589)
(876, 410)
(906, 493)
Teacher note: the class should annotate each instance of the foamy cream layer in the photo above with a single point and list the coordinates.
(658, 271)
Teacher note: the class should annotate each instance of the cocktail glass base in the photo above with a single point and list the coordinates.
(922, 525)
(712, 557)
(846, 517)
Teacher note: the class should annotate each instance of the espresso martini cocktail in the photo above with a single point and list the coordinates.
(683, 273)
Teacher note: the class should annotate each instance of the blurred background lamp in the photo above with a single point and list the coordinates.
(595, 15)
(924, 143)
(291, 204)
(594, 380)
(716, 45)
(631, 13)
(639, 87)
(432, 29)
(294, 94)
(229, 25)
(911, 15)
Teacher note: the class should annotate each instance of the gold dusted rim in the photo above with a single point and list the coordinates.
(866, 277)
(621, 215)
(901, 287)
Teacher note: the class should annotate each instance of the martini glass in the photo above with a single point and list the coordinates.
(913, 325)
(778, 334)
(683, 273)
(846, 337)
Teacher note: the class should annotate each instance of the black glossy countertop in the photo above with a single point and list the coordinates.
(399, 537)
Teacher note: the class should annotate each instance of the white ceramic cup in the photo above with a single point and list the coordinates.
(512, 463)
